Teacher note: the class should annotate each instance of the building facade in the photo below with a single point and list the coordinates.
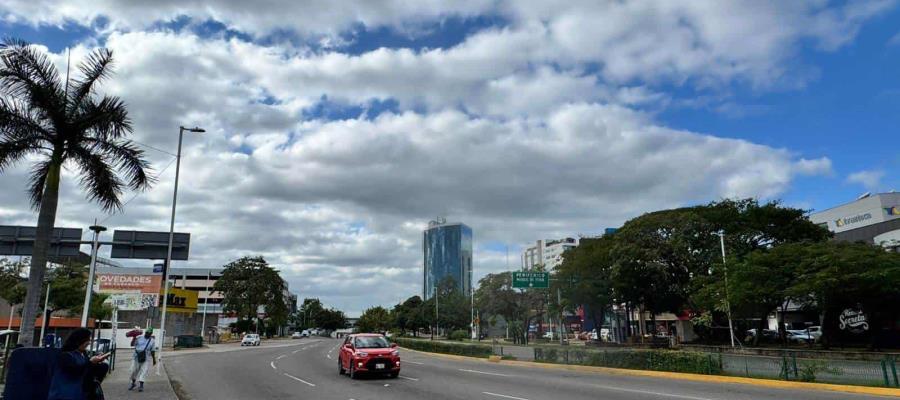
(547, 252)
(447, 252)
(872, 219)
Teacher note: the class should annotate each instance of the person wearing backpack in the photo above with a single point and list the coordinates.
(144, 348)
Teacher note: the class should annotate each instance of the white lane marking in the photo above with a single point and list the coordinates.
(677, 396)
(281, 356)
(299, 380)
(482, 372)
(414, 362)
(328, 355)
(408, 378)
(273, 364)
(504, 396)
(295, 351)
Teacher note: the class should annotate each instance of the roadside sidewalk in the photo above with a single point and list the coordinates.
(157, 387)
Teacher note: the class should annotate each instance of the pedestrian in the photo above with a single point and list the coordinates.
(145, 347)
(75, 375)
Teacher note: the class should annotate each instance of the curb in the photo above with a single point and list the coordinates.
(877, 391)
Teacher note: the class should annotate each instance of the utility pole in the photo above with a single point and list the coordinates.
(727, 302)
(205, 306)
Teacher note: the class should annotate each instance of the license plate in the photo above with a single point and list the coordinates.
(379, 366)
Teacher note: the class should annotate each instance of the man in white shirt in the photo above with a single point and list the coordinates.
(144, 349)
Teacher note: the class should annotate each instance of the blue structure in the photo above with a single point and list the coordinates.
(448, 253)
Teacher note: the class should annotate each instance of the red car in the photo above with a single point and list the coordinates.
(368, 352)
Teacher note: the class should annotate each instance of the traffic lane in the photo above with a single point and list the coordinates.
(319, 366)
(234, 374)
(531, 382)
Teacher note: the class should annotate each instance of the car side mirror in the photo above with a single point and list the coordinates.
(348, 346)
(393, 345)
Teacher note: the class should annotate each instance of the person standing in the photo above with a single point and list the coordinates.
(144, 348)
(75, 376)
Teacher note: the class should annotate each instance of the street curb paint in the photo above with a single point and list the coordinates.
(877, 391)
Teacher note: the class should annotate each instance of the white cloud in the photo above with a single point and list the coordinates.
(526, 131)
(871, 180)
(894, 40)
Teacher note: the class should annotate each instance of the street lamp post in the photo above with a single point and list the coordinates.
(46, 320)
(89, 291)
(166, 267)
(727, 302)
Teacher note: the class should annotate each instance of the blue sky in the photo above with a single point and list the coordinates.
(334, 133)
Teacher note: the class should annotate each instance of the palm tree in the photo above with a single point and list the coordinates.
(63, 124)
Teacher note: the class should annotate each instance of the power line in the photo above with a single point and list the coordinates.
(139, 193)
(154, 148)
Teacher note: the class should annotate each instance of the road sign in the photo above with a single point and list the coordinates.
(531, 280)
(149, 245)
(19, 241)
(158, 267)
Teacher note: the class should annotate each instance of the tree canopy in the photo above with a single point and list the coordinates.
(249, 285)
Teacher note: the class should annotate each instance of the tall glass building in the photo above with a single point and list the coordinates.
(448, 252)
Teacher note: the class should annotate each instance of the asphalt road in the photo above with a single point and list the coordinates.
(307, 369)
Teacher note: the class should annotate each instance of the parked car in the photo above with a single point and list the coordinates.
(368, 353)
(296, 335)
(799, 336)
(815, 332)
(250, 339)
(768, 335)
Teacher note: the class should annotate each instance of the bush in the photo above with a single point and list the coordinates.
(459, 335)
(472, 350)
(656, 360)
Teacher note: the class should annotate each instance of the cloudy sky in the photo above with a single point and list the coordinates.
(336, 130)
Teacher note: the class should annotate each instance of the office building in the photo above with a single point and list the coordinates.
(447, 249)
(870, 218)
(547, 252)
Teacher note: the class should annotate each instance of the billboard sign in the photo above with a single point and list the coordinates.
(19, 241)
(149, 245)
(181, 300)
(531, 280)
(110, 283)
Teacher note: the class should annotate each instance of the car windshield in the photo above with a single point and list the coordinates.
(371, 342)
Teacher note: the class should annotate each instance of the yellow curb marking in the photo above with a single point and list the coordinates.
(877, 391)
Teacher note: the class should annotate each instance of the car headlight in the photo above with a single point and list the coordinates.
(395, 353)
(362, 354)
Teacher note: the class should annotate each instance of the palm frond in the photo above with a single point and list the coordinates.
(127, 158)
(98, 178)
(18, 120)
(27, 74)
(15, 150)
(36, 182)
(95, 68)
(106, 120)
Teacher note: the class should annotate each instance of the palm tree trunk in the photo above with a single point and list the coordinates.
(46, 220)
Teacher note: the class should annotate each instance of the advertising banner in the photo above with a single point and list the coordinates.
(111, 283)
(181, 300)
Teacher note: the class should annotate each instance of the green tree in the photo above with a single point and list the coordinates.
(249, 283)
(453, 308)
(410, 315)
(309, 312)
(331, 319)
(838, 275)
(583, 277)
(374, 320)
(59, 123)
